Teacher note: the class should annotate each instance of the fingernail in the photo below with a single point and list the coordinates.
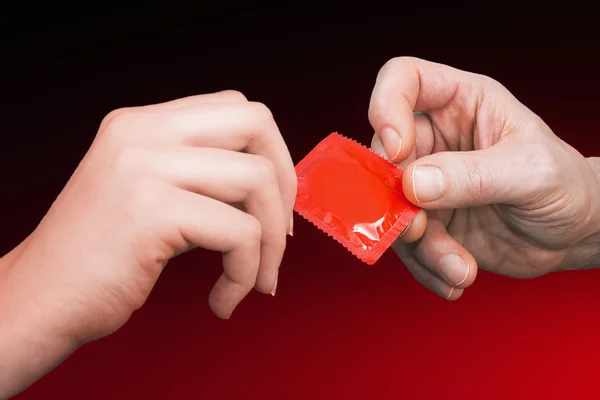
(442, 289)
(275, 286)
(428, 183)
(454, 269)
(392, 142)
(404, 231)
(290, 229)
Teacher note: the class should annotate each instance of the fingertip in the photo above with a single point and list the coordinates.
(267, 279)
(454, 294)
(408, 185)
(393, 123)
(274, 289)
(444, 257)
(441, 287)
(225, 296)
(377, 146)
(218, 309)
(430, 280)
(392, 142)
(266, 286)
(416, 229)
(471, 274)
(458, 269)
(398, 146)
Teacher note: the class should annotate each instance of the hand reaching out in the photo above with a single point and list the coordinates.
(208, 171)
(499, 190)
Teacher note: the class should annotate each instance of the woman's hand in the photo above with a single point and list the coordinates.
(209, 171)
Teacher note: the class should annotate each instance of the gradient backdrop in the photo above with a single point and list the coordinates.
(337, 327)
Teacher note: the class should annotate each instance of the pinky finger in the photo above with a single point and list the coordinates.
(213, 225)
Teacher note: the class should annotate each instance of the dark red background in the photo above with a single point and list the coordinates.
(337, 327)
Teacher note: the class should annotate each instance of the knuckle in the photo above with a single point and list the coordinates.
(116, 118)
(379, 109)
(488, 81)
(264, 172)
(119, 126)
(389, 72)
(234, 95)
(262, 112)
(250, 231)
(493, 92)
(113, 114)
(396, 63)
(263, 122)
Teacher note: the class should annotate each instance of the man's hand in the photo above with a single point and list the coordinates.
(501, 191)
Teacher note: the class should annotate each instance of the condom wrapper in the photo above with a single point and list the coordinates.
(354, 195)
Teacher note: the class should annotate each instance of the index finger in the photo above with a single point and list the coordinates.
(236, 126)
(406, 85)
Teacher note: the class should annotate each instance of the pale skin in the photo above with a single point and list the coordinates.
(213, 171)
(210, 171)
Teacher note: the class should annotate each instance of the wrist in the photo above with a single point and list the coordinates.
(594, 238)
(586, 254)
(29, 347)
(594, 163)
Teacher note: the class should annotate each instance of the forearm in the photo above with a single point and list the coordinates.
(26, 356)
(28, 346)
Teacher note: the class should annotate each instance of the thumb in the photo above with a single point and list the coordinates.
(496, 175)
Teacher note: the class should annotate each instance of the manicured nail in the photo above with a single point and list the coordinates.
(454, 269)
(275, 286)
(428, 183)
(290, 229)
(450, 293)
(392, 142)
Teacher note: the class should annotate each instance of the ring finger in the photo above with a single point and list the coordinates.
(234, 178)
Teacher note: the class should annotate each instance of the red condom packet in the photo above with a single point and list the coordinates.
(354, 195)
